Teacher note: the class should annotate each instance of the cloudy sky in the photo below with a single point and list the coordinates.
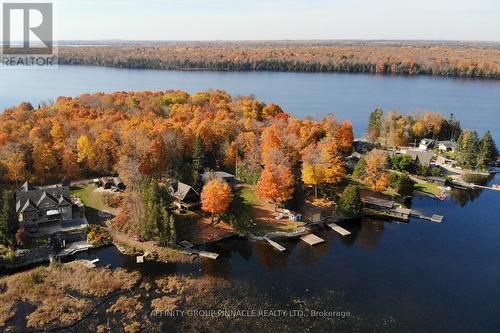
(278, 19)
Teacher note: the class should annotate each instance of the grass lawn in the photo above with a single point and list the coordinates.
(260, 212)
(429, 188)
(89, 197)
(352, 181)
(93, 201)
(249, 196)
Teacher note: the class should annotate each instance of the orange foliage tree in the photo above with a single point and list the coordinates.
(276, 184)
(216, 197)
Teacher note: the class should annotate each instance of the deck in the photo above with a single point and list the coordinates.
(275, 245)
(206, 254)
(312, 239)
(339, 229)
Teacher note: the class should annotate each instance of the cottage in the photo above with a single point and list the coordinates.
(421, 157)
(227, 177)
(36, 206)
(185, 196)
(310, 212)
(447, 146)
(426, 144)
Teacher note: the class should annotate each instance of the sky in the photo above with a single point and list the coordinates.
(277, 19)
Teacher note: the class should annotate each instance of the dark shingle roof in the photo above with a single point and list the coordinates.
(31, 196)
(180, 190)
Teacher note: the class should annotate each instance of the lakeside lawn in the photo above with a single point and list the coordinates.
(427, 188)
(261, 213)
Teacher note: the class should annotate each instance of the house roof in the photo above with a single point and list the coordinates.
(448, 144)
(31, 196)
(426, 141)
(378, 202)
(180, 190)
(26, 187)
(423, 157)
(48, 196)
(219, 174)
(29, 205)
(437, 179)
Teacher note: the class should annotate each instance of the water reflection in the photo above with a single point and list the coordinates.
(462, 197)
(366, 234)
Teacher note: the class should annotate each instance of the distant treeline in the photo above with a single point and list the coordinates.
(460, 60)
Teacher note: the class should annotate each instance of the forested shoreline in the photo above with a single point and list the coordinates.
(456, 60)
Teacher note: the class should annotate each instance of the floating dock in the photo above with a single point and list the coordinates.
(312, 239)
(339, 229)
(206, 254)
(275, 245)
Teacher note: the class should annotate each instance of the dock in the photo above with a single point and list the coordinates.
(275, 245)
(206, 254)
(339, 229)
(88, 263)
(312, 239)
(185, 244)
(433, 218)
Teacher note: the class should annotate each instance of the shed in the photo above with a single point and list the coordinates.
(377, 203)
(438, 180)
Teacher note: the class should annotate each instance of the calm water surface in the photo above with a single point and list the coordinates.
(416, 276)
(349, 96)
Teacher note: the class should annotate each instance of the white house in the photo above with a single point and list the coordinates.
(426, 144)
(447, 145)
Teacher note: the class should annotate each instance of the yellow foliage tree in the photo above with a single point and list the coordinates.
(376, 175)
(85, 148)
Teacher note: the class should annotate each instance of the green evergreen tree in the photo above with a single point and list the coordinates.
(374, 124)
(199, 160)
(467, 149)
(163, 227)
(487, 151)
(359, 169)
(7, 218)
(350, 203)
(402, 184)
(173, 230)
(451, 129)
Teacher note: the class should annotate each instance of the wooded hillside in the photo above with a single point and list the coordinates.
(447, 59)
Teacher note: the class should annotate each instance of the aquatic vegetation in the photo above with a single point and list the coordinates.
(61, 293)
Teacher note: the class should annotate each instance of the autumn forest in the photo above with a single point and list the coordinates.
(461, 59)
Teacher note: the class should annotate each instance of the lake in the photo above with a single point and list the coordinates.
(349, 96)
(390, 276)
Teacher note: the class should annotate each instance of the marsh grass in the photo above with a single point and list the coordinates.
(51, 290)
